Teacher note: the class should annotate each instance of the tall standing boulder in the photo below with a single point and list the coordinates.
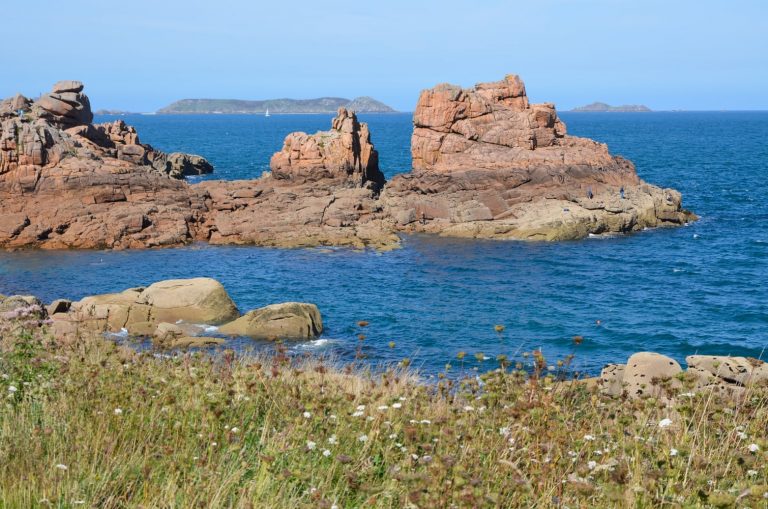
(344, 153)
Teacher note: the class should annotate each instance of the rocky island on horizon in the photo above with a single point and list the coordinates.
(603, 107)
(486, 164)
(362, 104)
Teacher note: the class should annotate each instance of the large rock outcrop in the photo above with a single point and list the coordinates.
(66, 183)
(487, 163)
(322, 190)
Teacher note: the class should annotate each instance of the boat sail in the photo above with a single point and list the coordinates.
(266, 113)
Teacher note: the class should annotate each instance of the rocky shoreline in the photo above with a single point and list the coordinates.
(174, 314)
(486, 164)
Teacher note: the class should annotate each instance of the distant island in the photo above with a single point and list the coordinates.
(113, 112)
(320, 105)
(599, 107)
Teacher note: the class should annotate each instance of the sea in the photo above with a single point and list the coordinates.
(699, 289)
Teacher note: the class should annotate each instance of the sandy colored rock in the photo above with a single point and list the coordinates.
(289, 320)
(192, 342)
(611, 379)
(198, 300)
(730, 370)
(646, 373)
(140, 310)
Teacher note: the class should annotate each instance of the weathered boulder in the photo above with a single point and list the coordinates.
(20, 312)
(611, 379)
(192, 342)
(198, 300)
(487, 163)
(289, 320)
(738, 371)
(648, 374)
(140, 310)
(166, 332)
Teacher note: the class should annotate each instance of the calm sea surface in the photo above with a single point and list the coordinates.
(697, 289)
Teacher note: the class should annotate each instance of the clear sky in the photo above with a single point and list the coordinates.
(141, 55)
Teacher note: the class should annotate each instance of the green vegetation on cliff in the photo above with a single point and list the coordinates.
(320, 105)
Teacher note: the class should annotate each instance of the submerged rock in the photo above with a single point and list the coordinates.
(289, 320)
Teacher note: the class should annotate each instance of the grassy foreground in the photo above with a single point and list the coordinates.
(96, 425)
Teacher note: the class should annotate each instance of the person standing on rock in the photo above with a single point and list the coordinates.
(589, 192)
(621, 192)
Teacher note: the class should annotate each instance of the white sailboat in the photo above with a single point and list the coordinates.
(266, 113)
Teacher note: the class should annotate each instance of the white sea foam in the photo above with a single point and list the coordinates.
(315, 344)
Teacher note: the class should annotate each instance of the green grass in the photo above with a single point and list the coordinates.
(92, 424)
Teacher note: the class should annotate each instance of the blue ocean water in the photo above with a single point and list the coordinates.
(695, 289)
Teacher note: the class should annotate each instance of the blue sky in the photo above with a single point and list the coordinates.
(141, 55)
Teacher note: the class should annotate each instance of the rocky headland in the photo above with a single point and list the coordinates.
(489, 164)
(486, 164)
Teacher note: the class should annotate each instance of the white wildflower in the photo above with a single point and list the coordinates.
(62, 466)
(362, 438)
(397, 405)
(589, 438)
(12, 388)
(360, 408)
(326, 453)
(504, 431)
(401, 398)
(425, 421)
(333, 440)
(665, 423)
(592, 464)
(741, 435)
(118, 411)
(469, 408)
(357, 414)
(752, 472)
(673, 452)
(383, 407)
(311, 445)
(393, 436)
(235, 430)
(307, 415)
(753, 447)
